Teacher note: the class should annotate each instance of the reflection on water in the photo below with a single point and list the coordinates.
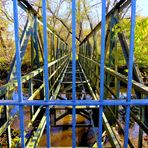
(62, 136)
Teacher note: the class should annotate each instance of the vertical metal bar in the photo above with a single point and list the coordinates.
(37, 59)
(30, 81)
(46, 72)
(52, 44)
(130, 72)
(103, 24)
(74, 73)
(30, 93)
(64, 49)
(85, 55)
(18, 70)
(140, 137)
(6, 109)
(117, 82)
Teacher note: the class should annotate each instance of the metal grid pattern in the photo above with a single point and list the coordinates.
(74, 102)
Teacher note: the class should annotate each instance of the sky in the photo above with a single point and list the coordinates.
(142, 7)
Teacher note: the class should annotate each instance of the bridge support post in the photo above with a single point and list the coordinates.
(30, 93)
(35, 41)
(117, 82)
(30, 81)
(8, 131)
(140, 138)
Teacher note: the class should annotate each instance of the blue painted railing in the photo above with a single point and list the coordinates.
(101, 103)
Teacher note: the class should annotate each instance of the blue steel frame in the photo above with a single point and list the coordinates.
(46, 72)
(18, 69)
(103, 26)
(74, 73)
(74, 102)
(130, 72)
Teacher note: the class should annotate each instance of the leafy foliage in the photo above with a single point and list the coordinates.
(6, 42)
(141, 38)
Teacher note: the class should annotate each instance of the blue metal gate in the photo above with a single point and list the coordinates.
(102, 102)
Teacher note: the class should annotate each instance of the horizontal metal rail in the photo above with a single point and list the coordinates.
(33, 142)
(77, 103)
(138, 86)
(138, 121)
(49, 100)
(39, 109)
(13, 83)
(107, 126)
(12, 118)
(43, 85)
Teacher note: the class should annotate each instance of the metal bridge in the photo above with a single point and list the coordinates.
(78, 86)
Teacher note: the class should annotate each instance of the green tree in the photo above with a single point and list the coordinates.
(6, 41)
(141, 38)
